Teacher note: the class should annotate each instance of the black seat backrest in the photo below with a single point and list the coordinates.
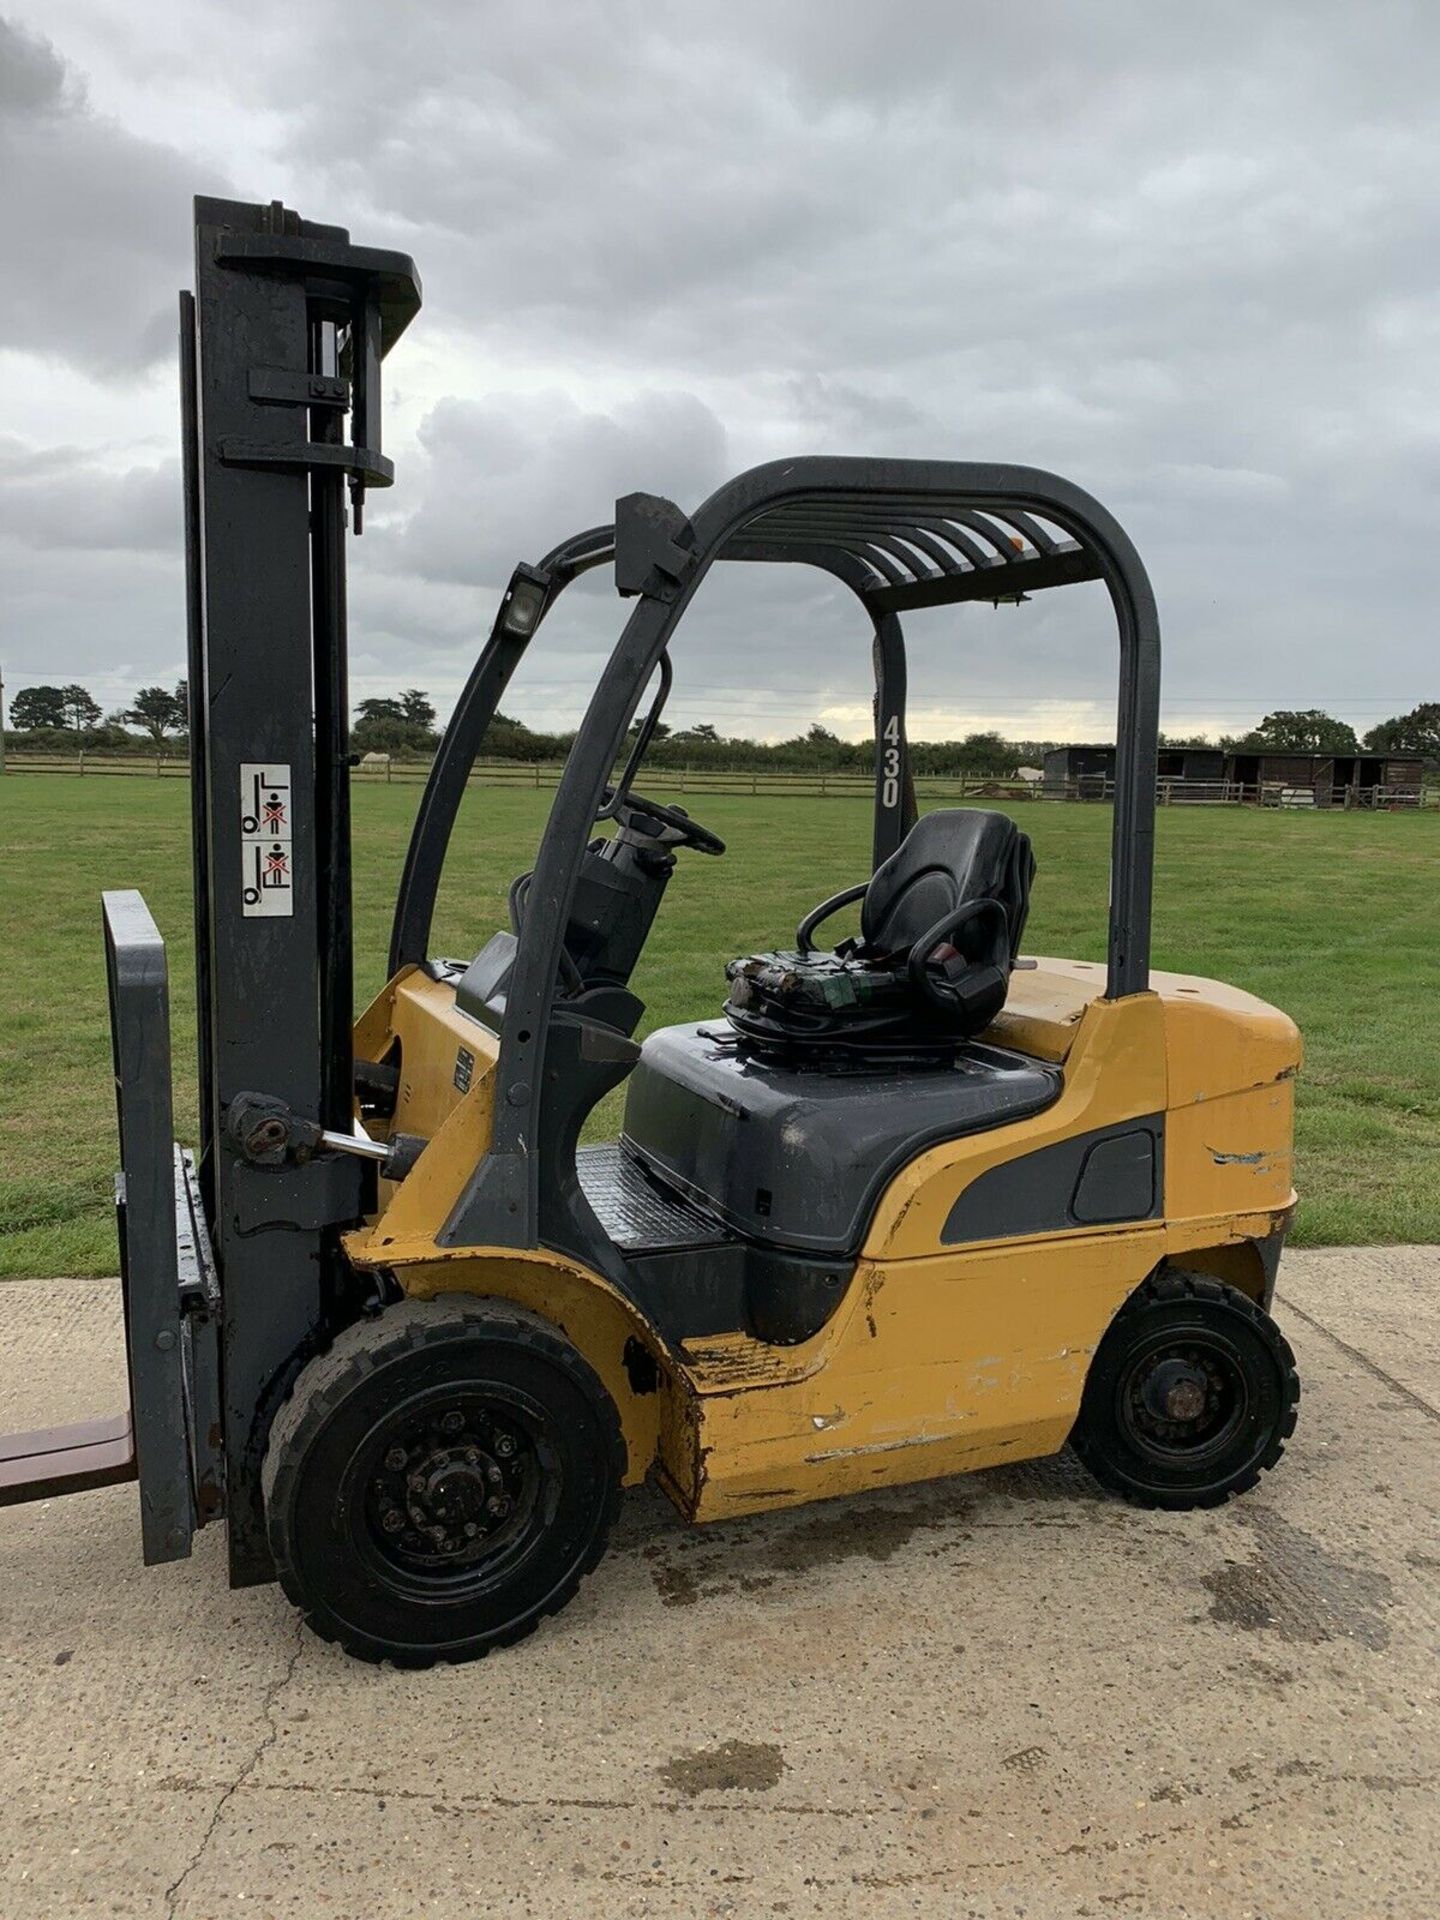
(948, 857)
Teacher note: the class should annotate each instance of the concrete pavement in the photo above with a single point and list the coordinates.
(996, 1696)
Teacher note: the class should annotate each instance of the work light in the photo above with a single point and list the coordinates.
(524, 603)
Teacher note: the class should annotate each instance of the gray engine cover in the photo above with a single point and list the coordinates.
(800, 1158)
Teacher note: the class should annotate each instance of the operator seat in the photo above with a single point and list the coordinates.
(940, 930)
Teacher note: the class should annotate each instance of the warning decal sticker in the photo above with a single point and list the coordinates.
(267, 876)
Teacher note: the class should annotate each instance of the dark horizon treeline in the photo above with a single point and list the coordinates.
(62, 719)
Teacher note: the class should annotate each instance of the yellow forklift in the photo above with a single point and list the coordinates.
(905, 1206)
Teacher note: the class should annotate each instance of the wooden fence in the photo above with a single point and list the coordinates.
(543, 777)
(157, 766)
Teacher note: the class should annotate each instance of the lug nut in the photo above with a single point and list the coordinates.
(498, 1505)
(472, 1456)
(416, 1483)
(471, 1529)
(395, 1460)
(504, 1445)
(392, 1520)
(452, 1423)
(492, 1474)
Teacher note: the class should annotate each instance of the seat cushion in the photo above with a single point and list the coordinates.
(799, 1158)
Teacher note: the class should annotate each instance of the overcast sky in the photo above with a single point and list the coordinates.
(1184, 254)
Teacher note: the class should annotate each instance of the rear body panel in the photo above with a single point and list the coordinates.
(945, 1354)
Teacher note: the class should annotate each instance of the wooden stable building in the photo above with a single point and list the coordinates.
(1090, 769)
(1335, 779)
(1264, 776)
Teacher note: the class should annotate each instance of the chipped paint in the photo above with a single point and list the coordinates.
(1263, 1160)
(988, 1445)
(878, 1446)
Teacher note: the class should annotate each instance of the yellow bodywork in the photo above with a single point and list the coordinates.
(940, 1359)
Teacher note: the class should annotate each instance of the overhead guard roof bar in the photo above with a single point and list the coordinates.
(892, 544)
(922, 550)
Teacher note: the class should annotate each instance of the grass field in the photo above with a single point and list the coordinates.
(1335, 917)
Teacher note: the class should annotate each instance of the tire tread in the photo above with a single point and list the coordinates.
(1169, 1285)
(408, 1327)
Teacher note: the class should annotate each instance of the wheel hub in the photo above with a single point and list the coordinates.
(1181, 1401)
(1176, 1391)
(444, 1492)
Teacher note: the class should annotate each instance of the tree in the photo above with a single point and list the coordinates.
(661, 730)
(1415, 732)
(374, 710)
(37, 707)
(81, 711)
(989, 754)
(397, 724)
(702, 735)
(1305, 730)
(403, 724)
(159, 712)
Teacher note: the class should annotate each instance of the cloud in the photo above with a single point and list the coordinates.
(505, 477)
(93, 223)
(64, 499)
(1184, 256)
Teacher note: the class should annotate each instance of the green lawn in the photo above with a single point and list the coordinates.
(1335, 917)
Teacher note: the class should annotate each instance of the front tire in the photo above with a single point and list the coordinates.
(440, 1480)
(1191, 1395)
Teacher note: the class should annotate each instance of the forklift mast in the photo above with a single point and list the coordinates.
(231, 1270)
(281, 340)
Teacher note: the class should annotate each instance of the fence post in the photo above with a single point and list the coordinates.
(157, 766)
(80, 756)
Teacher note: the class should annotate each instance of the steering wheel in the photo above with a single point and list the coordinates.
(633, 808)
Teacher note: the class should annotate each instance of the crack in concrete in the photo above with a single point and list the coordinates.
(514, 1803)
(1397, 1386)
(262, 1747)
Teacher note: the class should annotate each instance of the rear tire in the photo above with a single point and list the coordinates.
(1191, 1395)
(440, 1480)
